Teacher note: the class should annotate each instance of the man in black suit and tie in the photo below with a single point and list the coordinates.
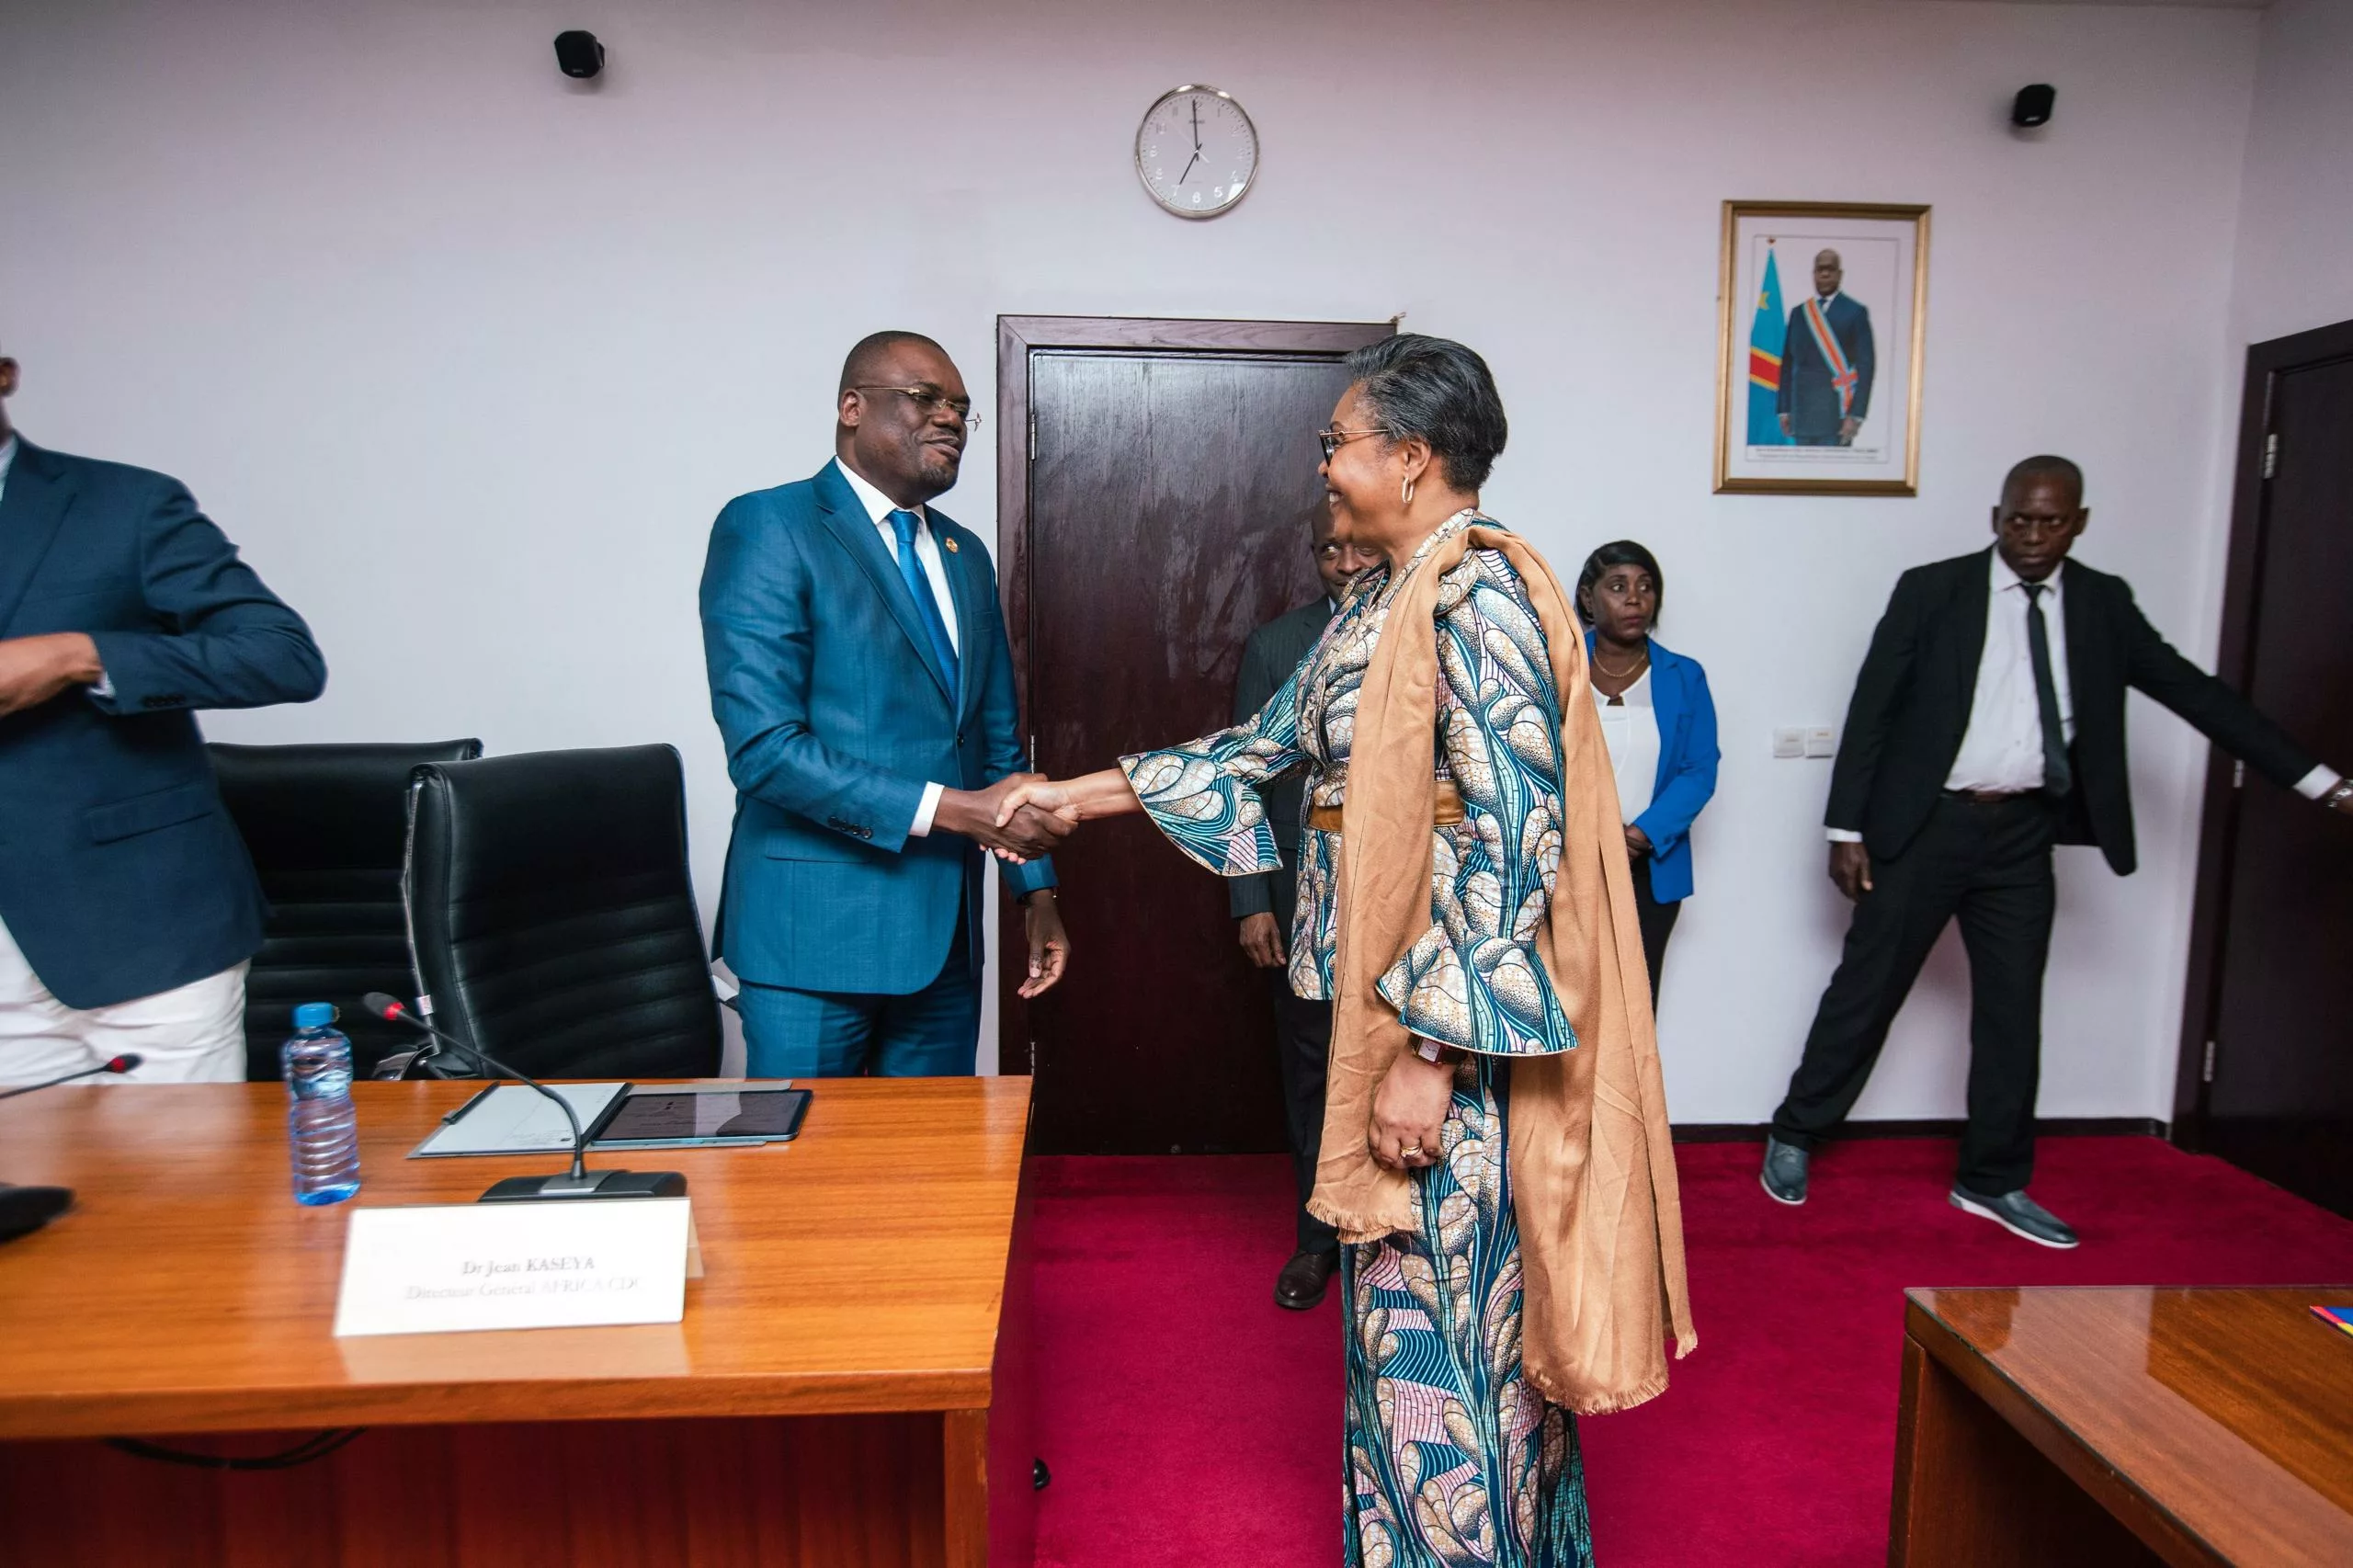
(1988, 723)
(1828, 362)
(1266, 905)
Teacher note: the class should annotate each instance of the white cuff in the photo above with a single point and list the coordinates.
(925, 810)
(102, 689)
(2318, 783)
(1844, 835)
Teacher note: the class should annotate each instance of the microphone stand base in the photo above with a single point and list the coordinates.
(594, 1184)
(24, 1210)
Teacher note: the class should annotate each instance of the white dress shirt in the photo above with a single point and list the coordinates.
(2002, 749)
(879, 508)
(1630, 728)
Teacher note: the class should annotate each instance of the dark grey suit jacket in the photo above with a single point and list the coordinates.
(1270, 656)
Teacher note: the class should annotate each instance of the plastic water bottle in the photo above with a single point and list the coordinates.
(320, 1122)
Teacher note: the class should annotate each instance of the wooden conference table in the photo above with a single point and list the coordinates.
(848, 1388)
(2125, 1426)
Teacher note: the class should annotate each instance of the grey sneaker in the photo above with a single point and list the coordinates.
(1784, 1171)
(2019, 1214)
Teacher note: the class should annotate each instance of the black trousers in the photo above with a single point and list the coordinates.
(1657, 919)
(1989, 864)
(1303, 1039)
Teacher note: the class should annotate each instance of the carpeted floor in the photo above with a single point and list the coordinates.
(1189, 1421)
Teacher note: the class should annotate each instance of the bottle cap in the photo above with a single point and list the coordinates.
(313, 1014)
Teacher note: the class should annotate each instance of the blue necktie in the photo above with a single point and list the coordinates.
(943, 651)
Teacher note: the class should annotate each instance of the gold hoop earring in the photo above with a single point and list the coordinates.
(1407, 498)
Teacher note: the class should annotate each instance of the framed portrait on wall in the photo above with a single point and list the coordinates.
(1822, 310)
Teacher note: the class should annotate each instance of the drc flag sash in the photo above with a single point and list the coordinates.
(1842, 374)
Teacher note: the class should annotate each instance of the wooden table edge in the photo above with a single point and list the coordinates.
(2157, 1526)
(480, 1402)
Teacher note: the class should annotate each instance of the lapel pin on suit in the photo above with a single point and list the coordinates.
(951, 545)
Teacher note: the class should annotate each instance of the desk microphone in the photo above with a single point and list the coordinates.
(579, 1182)
(126, 1062)
(24, 1210)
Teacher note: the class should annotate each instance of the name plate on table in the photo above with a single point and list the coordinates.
(447, 1270)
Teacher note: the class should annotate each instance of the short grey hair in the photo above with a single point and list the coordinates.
(1440, 390)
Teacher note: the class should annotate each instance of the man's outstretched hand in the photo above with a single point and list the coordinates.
(1015, 832)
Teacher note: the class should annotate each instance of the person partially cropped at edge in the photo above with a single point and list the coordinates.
(1988, 723)
(1265, 905)
(1464, 901)
(1660, 724)
(862, 680)
(129, 907)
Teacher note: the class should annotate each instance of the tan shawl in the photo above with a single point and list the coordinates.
(1592, 1167)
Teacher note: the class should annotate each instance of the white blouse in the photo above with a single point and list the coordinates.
(1630, 729)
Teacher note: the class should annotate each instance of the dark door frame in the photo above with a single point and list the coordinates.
(1016, 336)
(2235, 662)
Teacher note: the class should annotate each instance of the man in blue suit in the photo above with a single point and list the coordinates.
(862, 682)
(1828, 362)
(127, 904)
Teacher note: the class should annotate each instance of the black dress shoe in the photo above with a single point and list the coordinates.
(1785, 1171)
(1301, 1283)
(2017, 1213)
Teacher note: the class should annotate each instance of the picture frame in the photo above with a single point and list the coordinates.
(1819, 394)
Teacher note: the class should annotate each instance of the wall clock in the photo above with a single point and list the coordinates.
(1197, 151)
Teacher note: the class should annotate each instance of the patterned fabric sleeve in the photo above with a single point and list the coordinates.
(1473, 980)
(1204, 794)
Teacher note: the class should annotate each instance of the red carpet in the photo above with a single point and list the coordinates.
(1189, 1421)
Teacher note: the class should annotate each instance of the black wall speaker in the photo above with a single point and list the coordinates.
(579, 54)
(2032, 106)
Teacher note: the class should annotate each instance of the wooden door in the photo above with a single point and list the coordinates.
(2269, 975)
(1157, 483)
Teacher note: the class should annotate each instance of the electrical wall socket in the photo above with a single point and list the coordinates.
(1789, 741)
(1822, 740)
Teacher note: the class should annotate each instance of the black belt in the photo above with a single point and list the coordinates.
(1995, 797)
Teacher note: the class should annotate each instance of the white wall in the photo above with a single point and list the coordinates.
(466, 357)
(2295, 242)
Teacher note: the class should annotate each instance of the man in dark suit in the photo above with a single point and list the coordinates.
(862, 680)
(1828, 361)
(1266, 905)
(1988, 723)
(127, 904)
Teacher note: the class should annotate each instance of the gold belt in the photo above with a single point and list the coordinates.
(1445, 812)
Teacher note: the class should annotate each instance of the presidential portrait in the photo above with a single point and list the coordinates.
(1822, 314)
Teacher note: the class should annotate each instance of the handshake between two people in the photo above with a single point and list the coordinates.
(1004, 819)
(1024, 815)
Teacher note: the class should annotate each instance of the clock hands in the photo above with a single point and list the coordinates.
(1196, 142)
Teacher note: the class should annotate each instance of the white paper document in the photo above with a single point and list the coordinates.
(514, 1119)
(563, 1263)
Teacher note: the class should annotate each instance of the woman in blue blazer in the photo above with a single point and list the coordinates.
(1660, 723)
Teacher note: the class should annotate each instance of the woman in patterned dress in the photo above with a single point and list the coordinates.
(1452, 1455)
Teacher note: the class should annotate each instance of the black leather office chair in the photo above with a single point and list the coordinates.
(551, 916)
(327, 826)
